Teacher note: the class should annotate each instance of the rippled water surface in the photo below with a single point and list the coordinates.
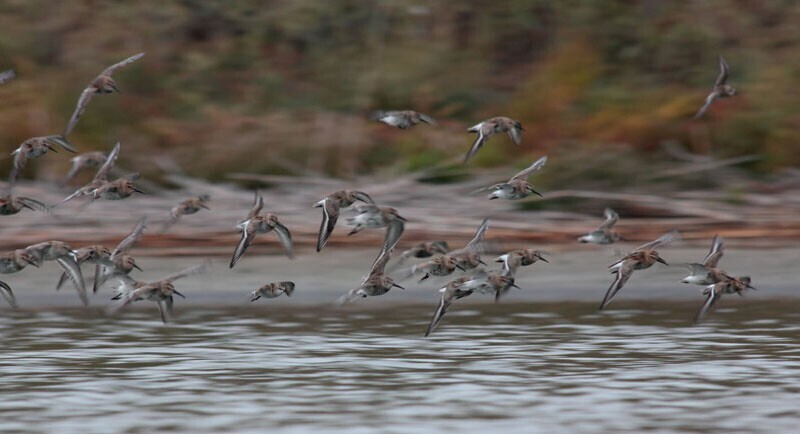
(516, 367)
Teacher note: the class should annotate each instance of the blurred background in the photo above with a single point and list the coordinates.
(607, 89)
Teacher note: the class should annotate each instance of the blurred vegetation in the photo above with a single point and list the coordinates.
(285, 86)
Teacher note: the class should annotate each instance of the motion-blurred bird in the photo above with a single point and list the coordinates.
(707, 273)
(720, 90)
(371, 216)
(10, 204)
(489, 127)
(605, 233)
(331, 205)
(35, 147)
(87, 160)
(643, 257)
(13, 262)
(518, 187)
(100, 178)
(66, 258)
(451, 292)
(187, 207)
(101, 84)
(402, 118)
(273, 290)
(519, 258)
(7, 76)
(122, 263)
(376, 283)
(728, 285)
(261, 224)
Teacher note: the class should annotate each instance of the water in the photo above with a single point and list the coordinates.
(516, 367)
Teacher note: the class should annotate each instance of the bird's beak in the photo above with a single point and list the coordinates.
(204, 207)
(514, 285)
(137, 267)
(536, 193)
(543, 259)
(138, 191)
(32, 261)
(176, 292)
(254, 296)
(662, 261)
(397, 286)
(461, 268)
(480, 261)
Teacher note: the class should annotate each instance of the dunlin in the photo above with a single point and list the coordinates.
(65, 257)
(100, 178)
(489, 127)
(34, 148)
(272, 290)
(10, 204)
(450, 293)
(7, 75)
(13, 262)
(371, 216)
(331, 205)
(94, 254)
(376, 283)
(519, 258)
(464, 259)
(492, 282)
(720, 90)
(103, 83)
(118, 189)
(402, 118)
(122, 263)
(160, 292)
(426, 250)
(87, 160)
(518, 187)
(261, 224)
(187, 207)
(728, 285)
(605, 233)
(708, 273)
(643, 257)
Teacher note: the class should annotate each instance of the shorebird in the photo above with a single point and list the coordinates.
(376, 283)
(35, 147)
(94, 254)
(371, 216)
(122, 263)
(100, 178)
(118, 189)
(426, 250)
(272, 290)
(101, 84)
(728, 285)
(331, 205)
(519, 258)
(402, 118)
(464, 259)
(187, 207)
(451, 292)
(7, 76)
(87, 160)
(261, 224)
(13, 262)
(60, 252)
(707, 273)
(643, 257)
(493, 282)
(518, 187)
(720, 90)
(489, 127)
(605, 233)
(10, 204)
(160, 292)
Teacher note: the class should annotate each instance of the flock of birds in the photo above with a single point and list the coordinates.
(439, 260)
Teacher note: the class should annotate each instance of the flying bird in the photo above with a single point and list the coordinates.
(331, 205)
(402, 119)
(490, 127)
(605, 233)
(36, 147)
(256, 223)
(99, 179)
(376, 283)
(518, 187)
(729, 285)
(7, 75)
(187, 207)
(13, 262)
(720, 90)
(371, 216)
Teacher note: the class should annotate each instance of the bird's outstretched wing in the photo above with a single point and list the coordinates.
(535, 167)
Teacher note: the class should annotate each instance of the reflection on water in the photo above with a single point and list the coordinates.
(511, 367)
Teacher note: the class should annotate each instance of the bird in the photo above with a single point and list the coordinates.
(371, 216)
(463, 259)
(13, 262)
(489, 127)
(272, 290)
(641, 258)
(187, 207)
(10, 204)
(708, 273)
(720, 90)
(122, 263)
(517, 258)
(518, 187)
(376, 283)
(87, 160)
(331, 205)
(260, 224)
(66, 258)
(728, 285)
(7, 75)
(426, 250)
(118, 189)
(100, 178)
(451, 292)
(605, 233)
(101, 84)
(161, 291)
(402, 119)
(493, 282)
(35, 147)
(94, 254)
